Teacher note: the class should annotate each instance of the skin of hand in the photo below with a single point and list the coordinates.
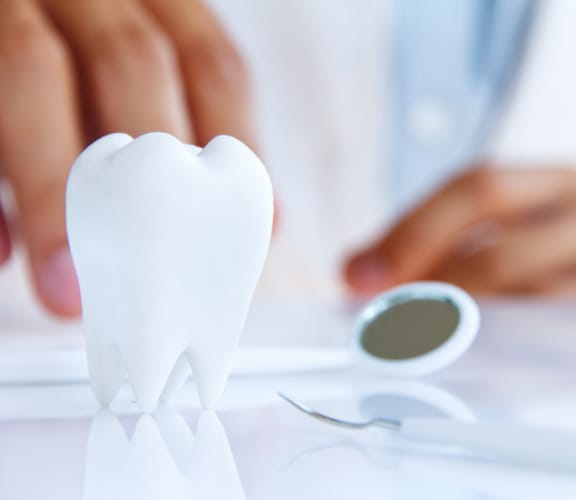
(71, 71)
(490, 231)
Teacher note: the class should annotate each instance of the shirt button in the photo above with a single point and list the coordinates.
(431, 123)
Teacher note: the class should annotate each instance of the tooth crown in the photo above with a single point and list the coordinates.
(168, 241)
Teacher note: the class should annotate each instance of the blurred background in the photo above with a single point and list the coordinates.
(325, 87)
(329, 79)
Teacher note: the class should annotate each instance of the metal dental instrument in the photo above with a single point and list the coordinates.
(530, 445)
(374, 422)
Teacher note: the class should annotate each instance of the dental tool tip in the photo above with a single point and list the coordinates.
(348, 424)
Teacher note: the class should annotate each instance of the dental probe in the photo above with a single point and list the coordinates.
(505, 442)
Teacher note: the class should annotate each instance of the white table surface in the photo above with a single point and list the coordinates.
(522, 369)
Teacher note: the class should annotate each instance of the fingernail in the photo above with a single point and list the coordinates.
(368, 273)
(58, 284)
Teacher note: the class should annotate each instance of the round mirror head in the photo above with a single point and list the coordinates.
(416, 328)
(410, 328)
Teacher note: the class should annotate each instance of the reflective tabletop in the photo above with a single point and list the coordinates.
(55, 443)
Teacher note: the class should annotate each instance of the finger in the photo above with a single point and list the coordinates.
(432, 232)
(217, 80)
(39, 140)
(5, 242)
(560, 285)
(132, 74)
(524, 257)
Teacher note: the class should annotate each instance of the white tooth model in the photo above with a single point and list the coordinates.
(162, 459)
(168, 241)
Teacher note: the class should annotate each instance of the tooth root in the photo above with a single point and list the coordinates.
(106, 367)
(211, 370)
(105, 456)
(177, 378)
(147, 443)
(163, 459)
(210, 435)
(177, 436)
(106, 432)
(148, 371)
(205, 458)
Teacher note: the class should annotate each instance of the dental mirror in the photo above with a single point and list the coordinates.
(416, 329)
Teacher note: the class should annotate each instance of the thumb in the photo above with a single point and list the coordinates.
(368, 272)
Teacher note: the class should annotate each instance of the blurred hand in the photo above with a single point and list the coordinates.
(488, 231)
(71, 71)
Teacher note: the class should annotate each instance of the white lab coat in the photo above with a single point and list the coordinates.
(319, 70)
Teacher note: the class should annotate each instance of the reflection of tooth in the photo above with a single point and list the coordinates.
(162, 460)
(168, 242)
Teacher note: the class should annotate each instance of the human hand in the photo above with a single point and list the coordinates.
(488, 231)
(71, 71)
